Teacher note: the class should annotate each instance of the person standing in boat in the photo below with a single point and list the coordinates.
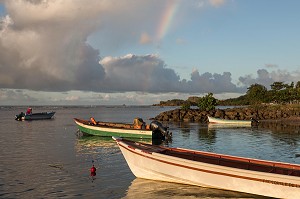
(29, 111)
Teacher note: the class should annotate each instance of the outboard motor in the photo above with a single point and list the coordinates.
(159, 131)
(19, 116)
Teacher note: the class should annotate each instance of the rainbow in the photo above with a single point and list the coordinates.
(167, 18)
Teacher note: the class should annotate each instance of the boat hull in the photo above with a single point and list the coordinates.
(213, 120)
(157, 166)
(109, 132)
(36, 116)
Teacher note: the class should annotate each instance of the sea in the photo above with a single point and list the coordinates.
(52, 159)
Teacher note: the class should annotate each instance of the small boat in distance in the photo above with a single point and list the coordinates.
(35, 116)
(247, 175)
(139, 129)
(213, 120)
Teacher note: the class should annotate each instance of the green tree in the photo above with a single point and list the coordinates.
(186, 106)
(298, 84)
(277, 86)
(256, 93)
(207, 102)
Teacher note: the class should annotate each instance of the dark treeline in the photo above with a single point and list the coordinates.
(280, 93)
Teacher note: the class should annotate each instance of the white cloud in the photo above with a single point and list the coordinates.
(266, 78)
(72, 98)
(45, 48)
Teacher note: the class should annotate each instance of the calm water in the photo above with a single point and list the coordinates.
(47, 159)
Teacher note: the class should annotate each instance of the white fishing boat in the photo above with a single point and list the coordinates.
(260, 177)
(213, 120)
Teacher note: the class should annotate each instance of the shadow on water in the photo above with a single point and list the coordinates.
(280, 126)
(141, 188)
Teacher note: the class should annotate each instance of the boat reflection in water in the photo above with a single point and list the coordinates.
(94, 141)
(227, 126)
(149, 189)
(90, 143)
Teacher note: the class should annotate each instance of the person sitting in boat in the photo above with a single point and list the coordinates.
(139, 123)
(29, 111)
(93, 121)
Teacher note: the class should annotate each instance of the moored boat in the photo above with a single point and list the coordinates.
(214, 120)
(247, 175)
(35, 116)
(139, 129)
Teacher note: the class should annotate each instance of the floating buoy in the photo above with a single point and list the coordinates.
(93, 170)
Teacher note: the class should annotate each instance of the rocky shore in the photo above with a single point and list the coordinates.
(260, 113)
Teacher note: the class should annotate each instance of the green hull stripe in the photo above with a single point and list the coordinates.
(110, 134)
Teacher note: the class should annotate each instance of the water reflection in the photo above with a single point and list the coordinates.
(280, 126)
(84, 142)
(92, 142)
(230, 126)
(207, 136)
(276, 141)
(283, 134)
(148, 189)
(185, 129)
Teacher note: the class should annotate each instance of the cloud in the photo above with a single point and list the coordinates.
(7, 96)
(138, 73)
(215, 83)
(44, 48)
(72, 98)
(148, 73)
(31, 98)
(267, 78)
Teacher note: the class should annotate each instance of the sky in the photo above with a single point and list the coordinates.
(74, 52)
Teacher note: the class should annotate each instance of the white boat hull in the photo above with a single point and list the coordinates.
(156, 166)
(213, 120)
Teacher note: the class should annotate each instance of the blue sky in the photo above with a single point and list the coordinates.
(142, 52)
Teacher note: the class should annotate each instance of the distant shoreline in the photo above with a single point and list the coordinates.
(286, 113)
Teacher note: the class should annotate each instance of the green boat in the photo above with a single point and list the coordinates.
(138, 129)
